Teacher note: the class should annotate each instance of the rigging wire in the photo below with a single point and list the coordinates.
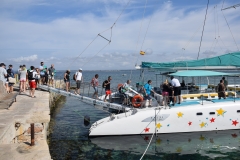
(99, 35)
(95, 54)
(203, 30)
(141, 28)
(229, 27)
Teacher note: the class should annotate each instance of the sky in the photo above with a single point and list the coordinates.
(109, 34)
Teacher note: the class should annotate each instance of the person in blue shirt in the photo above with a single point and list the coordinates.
(147, 91)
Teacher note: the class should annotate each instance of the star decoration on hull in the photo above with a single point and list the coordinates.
(189, 123)
(179, 114)
(212, 120)
(235, 122)
(221, 112)
(202, 124)
(158, 125)
(146, 129)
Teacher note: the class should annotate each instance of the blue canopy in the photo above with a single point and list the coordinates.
(224, 62)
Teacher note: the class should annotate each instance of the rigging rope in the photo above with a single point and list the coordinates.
(229, 27)
(203, 30)
(109, 40)
(147, 147)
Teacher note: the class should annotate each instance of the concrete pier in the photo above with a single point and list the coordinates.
(15, 130)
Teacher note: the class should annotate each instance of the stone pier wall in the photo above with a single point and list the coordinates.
(15, 130)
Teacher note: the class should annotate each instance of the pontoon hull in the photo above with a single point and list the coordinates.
(195, 118)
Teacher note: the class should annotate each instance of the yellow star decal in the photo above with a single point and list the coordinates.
(158, 141)
(158, 125)
(179, 114)
(179, 149)
(202, 124)
(220, 112)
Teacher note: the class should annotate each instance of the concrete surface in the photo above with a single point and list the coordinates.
(15, 127)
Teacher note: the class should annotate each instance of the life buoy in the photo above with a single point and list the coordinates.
(137, 101)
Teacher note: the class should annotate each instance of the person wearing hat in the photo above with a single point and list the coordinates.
(177, 90)
(79, 79)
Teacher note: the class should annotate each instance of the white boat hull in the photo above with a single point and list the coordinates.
(195, 118)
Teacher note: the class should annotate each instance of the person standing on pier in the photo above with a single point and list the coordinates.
(94, 84)
(51, 73)
(42, 69)
(3, 74)
(79, 79)
(106, 85)
(23, 78)
(67, 80)
(31, 79)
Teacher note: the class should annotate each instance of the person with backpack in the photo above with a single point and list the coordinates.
(10, 74)
(106, 85)
(31, 79)
(78, 79)
(67, 80)
(94, 84)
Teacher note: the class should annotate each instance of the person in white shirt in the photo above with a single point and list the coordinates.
(79, 79)
(177, 89)
(3, 75)
(126, 89)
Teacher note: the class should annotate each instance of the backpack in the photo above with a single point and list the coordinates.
(74, 76)
(30, 75)
(9, 73)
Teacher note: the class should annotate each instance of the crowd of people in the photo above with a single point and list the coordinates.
(28, 78)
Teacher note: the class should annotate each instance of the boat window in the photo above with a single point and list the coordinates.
(238, 111)
(212, 113)
(199, 113)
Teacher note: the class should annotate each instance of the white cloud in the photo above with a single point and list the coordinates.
(25, 59)
(63, 40)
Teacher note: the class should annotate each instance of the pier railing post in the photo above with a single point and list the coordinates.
(32, 134)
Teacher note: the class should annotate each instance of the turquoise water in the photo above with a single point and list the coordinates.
(68, 138)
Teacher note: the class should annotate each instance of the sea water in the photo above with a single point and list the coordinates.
(68, 135)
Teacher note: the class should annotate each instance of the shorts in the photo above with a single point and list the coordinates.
(95, 89)
(164, 93)
(66, 80)
(147, 97)
(50, 77)
(78, 84)
(108, 92)
(32, 84)
(177, 91)
(23, 80)
(10, 84)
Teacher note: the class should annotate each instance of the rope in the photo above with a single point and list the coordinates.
(95, 55)
(203, 30)
(147, 146)
(229, 28)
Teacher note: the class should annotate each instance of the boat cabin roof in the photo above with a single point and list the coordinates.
(200, 73)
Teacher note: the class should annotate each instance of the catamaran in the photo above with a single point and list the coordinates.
(203, 111)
